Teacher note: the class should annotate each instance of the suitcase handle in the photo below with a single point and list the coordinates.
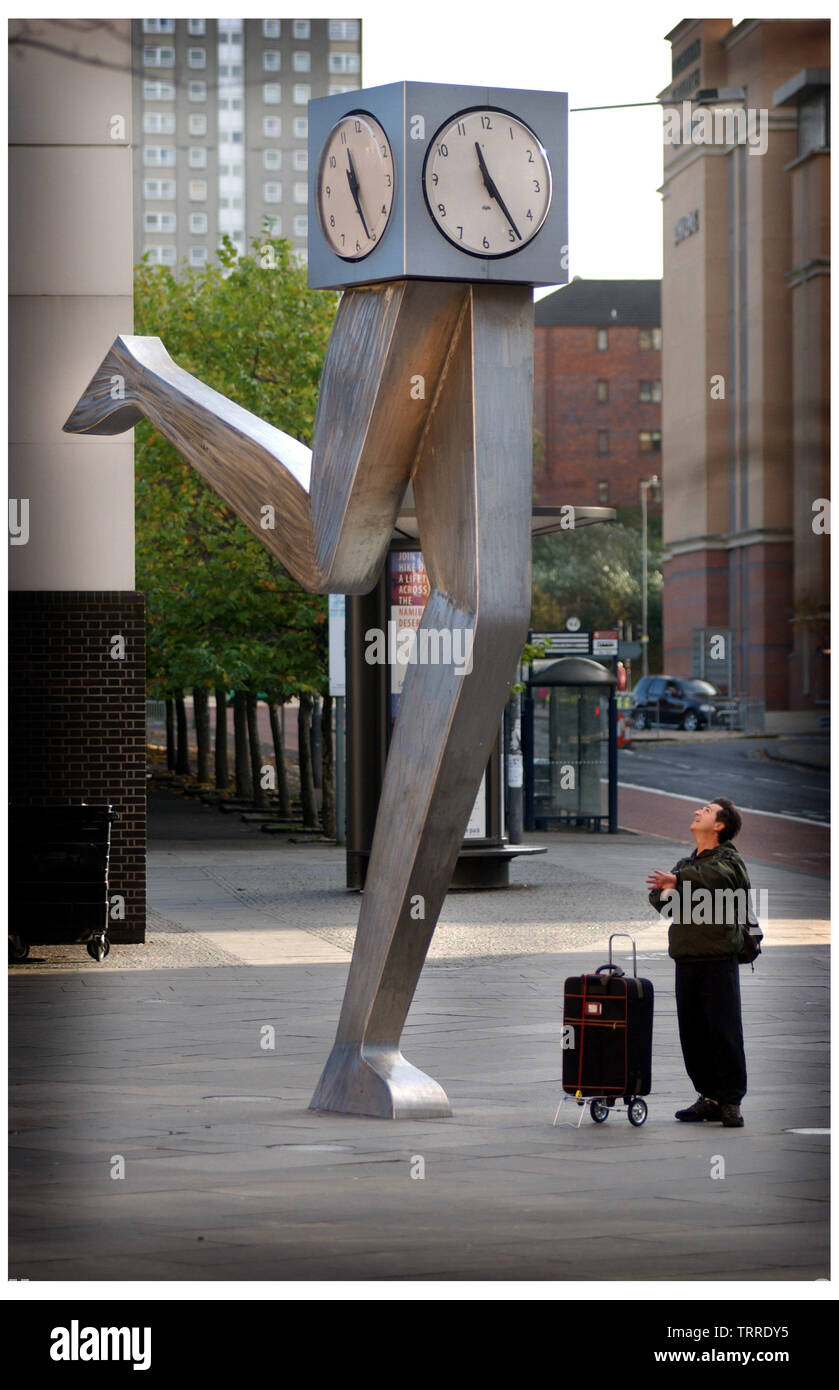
(612, 970)
(634, 955)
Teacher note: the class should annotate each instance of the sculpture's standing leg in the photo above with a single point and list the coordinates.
(472, 486)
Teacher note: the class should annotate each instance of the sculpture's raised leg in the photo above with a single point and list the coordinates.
(467, 444)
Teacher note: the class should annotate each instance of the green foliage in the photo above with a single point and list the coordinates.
(221, 610)
(594, 573)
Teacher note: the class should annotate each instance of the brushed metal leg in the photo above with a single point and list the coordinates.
(472, 486)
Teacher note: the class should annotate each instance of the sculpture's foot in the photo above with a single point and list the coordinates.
(378, 1081)
(107, 406)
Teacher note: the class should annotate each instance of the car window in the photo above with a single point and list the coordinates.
(656, 688)
(700, 688)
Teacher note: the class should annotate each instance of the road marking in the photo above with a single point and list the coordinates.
(745, 810)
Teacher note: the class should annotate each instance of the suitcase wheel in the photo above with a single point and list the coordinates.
(599, 1111)
(18, 949)
(98, 948)
(637, 1111)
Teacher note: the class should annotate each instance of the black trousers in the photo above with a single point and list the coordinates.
(711, 1029)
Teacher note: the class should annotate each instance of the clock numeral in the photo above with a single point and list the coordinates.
(460, 230)
(384, 209)
(387, 176)
(343, 239)
(358, 127)
(328, 191)
(485, 243)
(372, 237)
(333, 163)
(435, 179)
(384, 151)
(487, 123)
(529, 214)
(511, 236)
(343, 137)
(441, 208)
(357, 246)
(461, 128)
(530, 156)
(443, 151)
(512, 136)
(331, 220)
(537, 187)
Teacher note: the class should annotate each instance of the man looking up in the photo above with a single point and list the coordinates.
(705, 944)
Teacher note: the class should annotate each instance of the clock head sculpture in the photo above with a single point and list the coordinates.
(437, 209)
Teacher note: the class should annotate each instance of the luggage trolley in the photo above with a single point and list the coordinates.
(607, 1034)
(59, 877)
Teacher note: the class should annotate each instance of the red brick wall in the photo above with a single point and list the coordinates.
(567, 413)
(78, 721)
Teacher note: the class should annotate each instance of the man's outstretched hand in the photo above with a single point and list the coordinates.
(662, 881)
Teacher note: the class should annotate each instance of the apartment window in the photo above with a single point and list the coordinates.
(158, 57)
(301, 225)
(159, 222)
(649, 339)
(603, 494)
(159, 156)
(197, 124)
(270, 28)
(602, 441)
(302, 60)
(198, 223)
(344, 62)
(301, 28)
(301, 127)
(198, 255)
(271, 125)
(158, 26)
(302, 93)
(343, 28)
(272, 192)
(602, 339)
(230, 69)
(301, 193)
(603, 391)
(649, 391)
(158, 91)
(196, 57)
(160, 255)
(158, 188)
(197, 157)
(198, 191)
(158, 123)
(272, 159)
(301, 159)
(271, 93)
(649, 441)
(271, 60)
(198, 91)
(196, 27)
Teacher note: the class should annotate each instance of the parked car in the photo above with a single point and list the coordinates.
(672, 700)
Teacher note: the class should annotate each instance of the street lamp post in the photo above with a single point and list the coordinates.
(646, 484)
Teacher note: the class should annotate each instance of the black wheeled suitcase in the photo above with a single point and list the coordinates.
(607, 1039)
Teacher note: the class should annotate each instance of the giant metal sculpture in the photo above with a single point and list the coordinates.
(426, 380)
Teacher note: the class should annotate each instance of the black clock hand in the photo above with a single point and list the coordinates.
(352, 180)
(493, 191)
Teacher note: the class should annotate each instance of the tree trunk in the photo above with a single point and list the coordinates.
(171, 755)
(240, 736)
(222, 770)
(260, 793)
(327, 808)
(201, 712)
(283, 798)
(182, 757)
(304, 756)
(317, 751)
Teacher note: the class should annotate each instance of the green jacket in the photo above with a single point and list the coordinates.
(709, 925)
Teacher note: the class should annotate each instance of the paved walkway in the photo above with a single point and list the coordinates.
(187, 1065)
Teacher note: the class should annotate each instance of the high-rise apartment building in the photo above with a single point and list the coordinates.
(221, 127)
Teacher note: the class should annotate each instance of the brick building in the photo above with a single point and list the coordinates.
(745, 316)
(597, 392)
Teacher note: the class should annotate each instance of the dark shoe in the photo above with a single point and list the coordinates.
(731, 1117)
(702, 1109)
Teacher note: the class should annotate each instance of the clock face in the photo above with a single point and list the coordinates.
(355, 186)
(487, 182)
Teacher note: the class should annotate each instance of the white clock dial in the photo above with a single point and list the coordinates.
(355, 189)
(487, 182)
